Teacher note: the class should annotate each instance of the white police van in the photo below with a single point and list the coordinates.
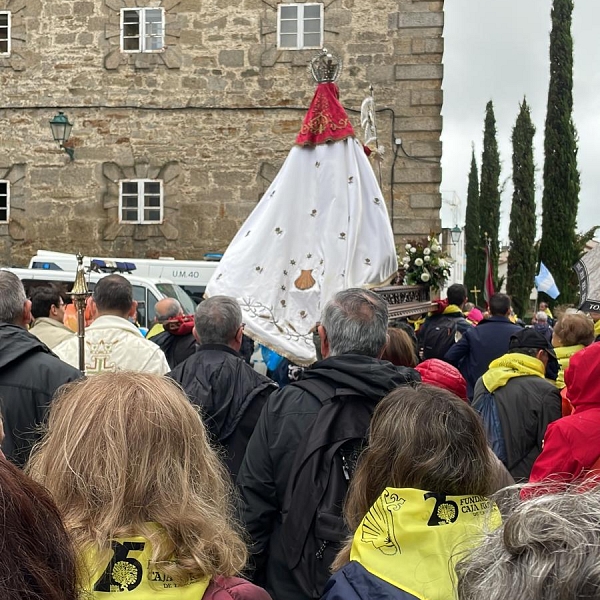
(147, 292)
(191, 275)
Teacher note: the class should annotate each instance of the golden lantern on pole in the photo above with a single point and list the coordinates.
(80, 293)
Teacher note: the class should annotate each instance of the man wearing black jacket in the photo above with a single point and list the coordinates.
(480, 345)
(230, 392)
(176, 340)
(353, 333)
(29, 372)
(440, 330)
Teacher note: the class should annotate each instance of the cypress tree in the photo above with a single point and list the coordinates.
(558, 247)
(474, 263)
(489, 191)
(521, 258)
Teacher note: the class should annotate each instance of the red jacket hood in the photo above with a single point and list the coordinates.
(581, 378)
(441, 374)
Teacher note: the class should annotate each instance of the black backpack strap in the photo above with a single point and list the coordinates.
(336, 423)
(321, 390)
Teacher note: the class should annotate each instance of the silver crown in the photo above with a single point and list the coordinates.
(325, 67)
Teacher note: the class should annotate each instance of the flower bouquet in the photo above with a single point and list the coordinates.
(424, 263)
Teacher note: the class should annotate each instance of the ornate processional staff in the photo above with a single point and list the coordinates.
(80, 293)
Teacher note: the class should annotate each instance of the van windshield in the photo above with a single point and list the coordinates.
(174, 291)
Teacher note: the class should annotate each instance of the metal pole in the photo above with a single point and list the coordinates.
(79, 294)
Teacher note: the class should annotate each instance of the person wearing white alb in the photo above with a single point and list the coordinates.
(112, 342)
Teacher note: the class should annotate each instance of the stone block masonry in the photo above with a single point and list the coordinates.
(213, 115)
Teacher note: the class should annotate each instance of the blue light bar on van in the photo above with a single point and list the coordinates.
(213, 256)
(110, 266)
(49, 266)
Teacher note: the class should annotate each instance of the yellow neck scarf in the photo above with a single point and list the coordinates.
(511, 365)
(452, 309)
(597, 328)
(126, 569)
(564, 353)
(409, 536)
(155, 330)
(416, 323)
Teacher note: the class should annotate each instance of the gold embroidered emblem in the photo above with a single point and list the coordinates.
(101, 354)
(321, 120)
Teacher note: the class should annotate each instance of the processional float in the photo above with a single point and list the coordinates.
(322, 226)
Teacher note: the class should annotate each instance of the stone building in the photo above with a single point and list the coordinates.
(184, 110)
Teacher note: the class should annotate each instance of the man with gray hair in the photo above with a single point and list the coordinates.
(303, 451)
(29, 372)
(173, 331)
(230, 392)
(540, 323)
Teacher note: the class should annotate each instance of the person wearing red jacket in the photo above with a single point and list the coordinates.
(572, 444)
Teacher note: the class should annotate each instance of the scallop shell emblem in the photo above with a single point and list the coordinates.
(305, 281)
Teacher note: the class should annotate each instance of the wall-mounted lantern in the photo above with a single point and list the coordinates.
(455, 234)
(61, 130)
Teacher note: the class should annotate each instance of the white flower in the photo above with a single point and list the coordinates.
(435, 248)
(425, 277)
(426, 251)
(405, 260)
(427, 258)
(412, 250)
(445, 273)
(407, 247)
(419, 262)
(442, 262)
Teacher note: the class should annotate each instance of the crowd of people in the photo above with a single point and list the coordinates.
(173, 469)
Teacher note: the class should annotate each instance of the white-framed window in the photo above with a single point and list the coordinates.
(299, 26)
(4, 33)
(4, 201)
(142, 29)
(141, 201)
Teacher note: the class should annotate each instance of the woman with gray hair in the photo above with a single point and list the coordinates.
(547, 549)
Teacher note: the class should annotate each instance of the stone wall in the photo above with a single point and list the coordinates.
(214, 115)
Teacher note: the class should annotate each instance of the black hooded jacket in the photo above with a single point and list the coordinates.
(230, 393)
(287, 417)
(176, 347)
(29, 375)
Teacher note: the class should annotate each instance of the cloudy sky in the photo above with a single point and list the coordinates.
(499, 50)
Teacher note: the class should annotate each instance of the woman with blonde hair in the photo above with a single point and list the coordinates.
(572, 333)
(418, 494)
(145, 499)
